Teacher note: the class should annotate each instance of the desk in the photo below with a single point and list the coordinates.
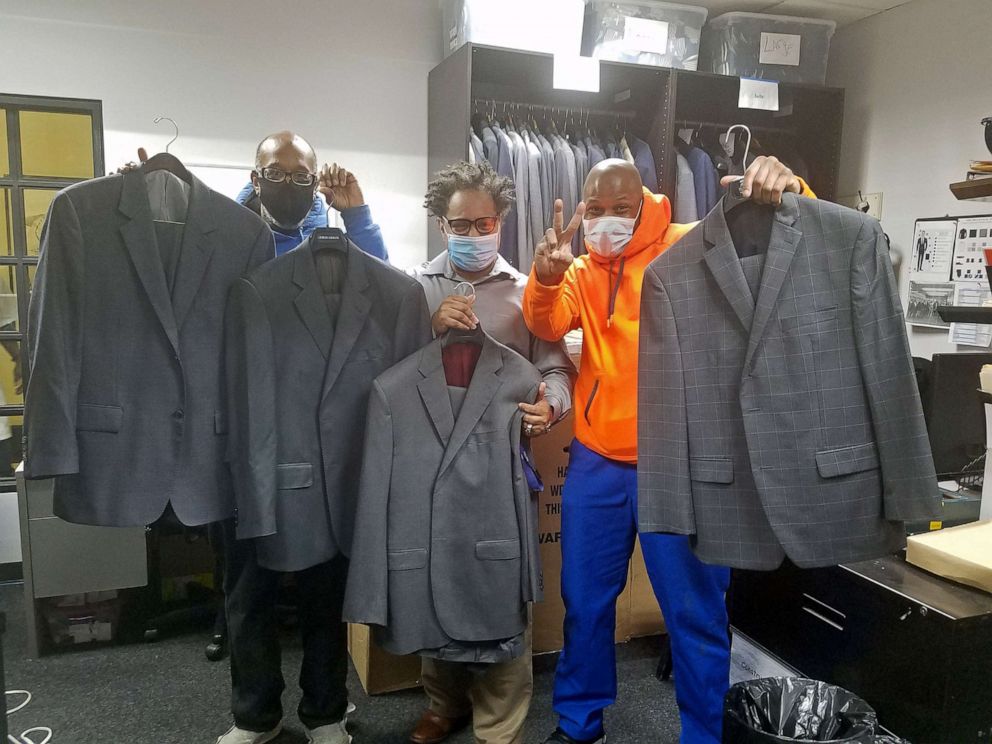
(917, 648)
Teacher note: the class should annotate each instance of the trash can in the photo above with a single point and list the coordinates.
(793, 709)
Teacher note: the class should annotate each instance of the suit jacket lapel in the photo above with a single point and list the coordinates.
(723, 263)
(485, 383)
(781, 251)
(355, 304)
(139, 238)
(194, 255)
(310, 303)
(434, 392)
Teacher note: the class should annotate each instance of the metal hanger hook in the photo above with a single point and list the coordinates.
(747, 146)
(157, 119)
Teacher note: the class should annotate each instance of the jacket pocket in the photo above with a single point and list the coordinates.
(294, 475)
(220, 423)
(93, 417)
(846, 460)
(406, 560)
(711, 470)
(497, 550)
(592, 397)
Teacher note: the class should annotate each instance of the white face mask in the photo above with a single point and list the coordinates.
(607, 236)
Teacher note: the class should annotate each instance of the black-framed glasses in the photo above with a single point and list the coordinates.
(300, 178)
(483, 225)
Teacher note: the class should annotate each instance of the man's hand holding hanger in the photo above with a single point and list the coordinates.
(765, 180)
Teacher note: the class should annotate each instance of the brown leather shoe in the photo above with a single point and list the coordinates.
(433, 728)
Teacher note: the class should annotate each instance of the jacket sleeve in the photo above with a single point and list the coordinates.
(558, 372)
(366, 598)
(363, 232)
(552, 311)
(908, 478)
(413, 327)
(664, 488)
(263, 250)
(250, 373)
(531, 578)
(55, 341)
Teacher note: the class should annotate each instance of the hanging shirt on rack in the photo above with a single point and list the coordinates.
(508, 236)
(490, 146)
(625, 150)
(521, 185)
(476, 149)
(644, 160)
(535, 203)
(705, 179)
(549, 182)
(685, 192)
(595, 153)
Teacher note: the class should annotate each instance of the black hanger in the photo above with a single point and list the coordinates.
(329, 238)
(168, 162)
(459, 336)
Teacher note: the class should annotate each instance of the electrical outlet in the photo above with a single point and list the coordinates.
(873, 200)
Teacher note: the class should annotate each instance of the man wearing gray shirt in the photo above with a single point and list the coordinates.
(469, 201)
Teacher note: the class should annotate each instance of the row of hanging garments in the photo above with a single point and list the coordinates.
(705, 152)
(547, 152)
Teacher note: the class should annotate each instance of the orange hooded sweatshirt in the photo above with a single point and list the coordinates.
(603, 298)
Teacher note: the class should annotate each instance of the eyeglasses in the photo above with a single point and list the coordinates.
(483, 225)
(278, 175)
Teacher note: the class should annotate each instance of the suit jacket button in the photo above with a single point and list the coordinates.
(178, 415)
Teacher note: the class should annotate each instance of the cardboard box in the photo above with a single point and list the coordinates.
(962, 554)
(380, 671)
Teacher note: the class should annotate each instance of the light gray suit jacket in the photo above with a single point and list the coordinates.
(445, 545)
(787, 426)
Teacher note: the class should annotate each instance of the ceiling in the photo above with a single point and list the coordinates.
(841, 11)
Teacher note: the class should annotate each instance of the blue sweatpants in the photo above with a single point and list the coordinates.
(599, 524)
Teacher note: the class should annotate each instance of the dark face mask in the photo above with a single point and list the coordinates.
(284, 205)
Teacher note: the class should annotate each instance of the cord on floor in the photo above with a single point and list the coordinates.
(26, 736)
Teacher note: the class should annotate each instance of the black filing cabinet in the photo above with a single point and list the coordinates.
(914, 646)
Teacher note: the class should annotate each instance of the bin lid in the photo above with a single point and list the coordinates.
(736, 16)
(656, 5)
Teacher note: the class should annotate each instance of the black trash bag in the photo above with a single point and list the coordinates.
(889, 740)
(792, 709)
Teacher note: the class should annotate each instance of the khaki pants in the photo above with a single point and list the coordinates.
(498, 699)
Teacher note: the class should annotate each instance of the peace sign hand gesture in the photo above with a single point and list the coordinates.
(553, 254)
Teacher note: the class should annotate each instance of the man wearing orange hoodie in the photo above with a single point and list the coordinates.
(626, 228)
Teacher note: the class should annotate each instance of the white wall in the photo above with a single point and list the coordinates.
(918, 80)
(349, 75)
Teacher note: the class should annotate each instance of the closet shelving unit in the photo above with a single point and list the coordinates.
(651, 101)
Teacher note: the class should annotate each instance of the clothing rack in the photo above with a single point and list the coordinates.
(492, 105)
(693, 124)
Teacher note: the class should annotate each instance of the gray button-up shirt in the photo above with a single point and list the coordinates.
(498, 306)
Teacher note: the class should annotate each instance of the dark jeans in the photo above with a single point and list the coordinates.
(256, 662)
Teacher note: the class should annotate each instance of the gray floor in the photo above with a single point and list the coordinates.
(167, 693)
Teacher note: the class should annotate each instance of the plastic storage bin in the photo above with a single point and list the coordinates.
(552, 26)
(768, 47)
(644, 32)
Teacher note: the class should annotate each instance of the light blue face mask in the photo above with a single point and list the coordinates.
(470, 253)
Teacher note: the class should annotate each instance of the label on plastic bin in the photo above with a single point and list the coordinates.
(645, 35)
(780, 49)
(758, 94)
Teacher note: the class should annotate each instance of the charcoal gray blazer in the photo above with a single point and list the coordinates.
(446, 536)
(789, 425)
(299, 388)
(125, 401)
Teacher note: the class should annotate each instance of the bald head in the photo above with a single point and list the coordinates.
(613, 188)
(286, 150)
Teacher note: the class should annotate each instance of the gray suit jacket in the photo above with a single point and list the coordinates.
(790, 426)
(299, 386)
(125, 401)
(446, 535)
